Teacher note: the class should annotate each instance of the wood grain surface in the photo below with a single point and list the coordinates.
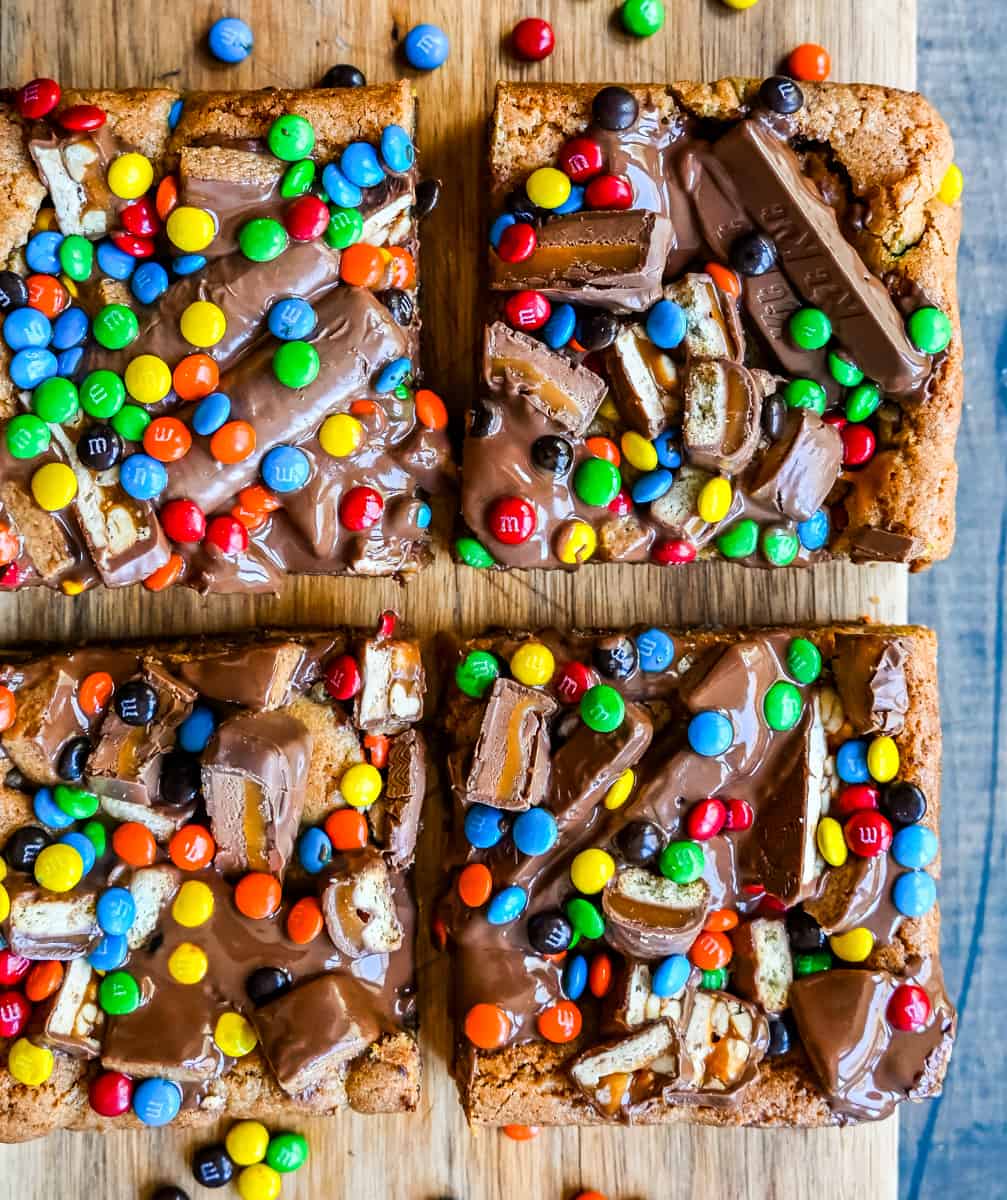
(431, 1155)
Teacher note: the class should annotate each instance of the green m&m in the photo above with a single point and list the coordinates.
(346, 226)
(27, 436)
(843, 369)
(75, 802)
(55, 400)
(295, 364)
(473, 553)
(476, 675)
(642, 18)
(130, 422)
(929, 330)
(862, 401)
(76, 257)
(97, 835)
(782, 706)
(102, 394)
(585, 918)
(741, 540)
(809, 964)
(291, 137)
(262, 239)
(297, 179)
(596, 482)
(682, 862)
(287, 1152)
(714, 981)
(115, 326)
(810, 328)
(602, 708)
(804, 660)
(119, 993)
(805, 393)
(779, 545)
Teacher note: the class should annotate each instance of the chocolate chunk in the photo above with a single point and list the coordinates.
(254, 774)
(762, 968)
(644, 382)
(515, 364)
(883, 545)
(314, 1030)
(796, 474)
(252, 676)
(394, 817)
(391, 686)
(610, 259)
(126, 761)
(620, 1077)
(649, 916)
(871, 680)
(823, 266)
(510, 763)
(723, 405)
(48, 925)
(359, 907)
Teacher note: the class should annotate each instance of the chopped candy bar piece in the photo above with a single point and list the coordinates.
(629, 1072)
(73, 1019)
(510, 763)
(392, 683)
(45, 925)
(359, 908)
(652, 917)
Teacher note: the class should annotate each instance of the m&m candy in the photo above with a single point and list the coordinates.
(157, 1101)
(247, 1142)
(29, 1064)
(230, 40)
(426, 47)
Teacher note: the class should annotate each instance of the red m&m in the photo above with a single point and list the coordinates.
(361, 508)
(511, 520)
(673, 552)
(609, 191)
(37, 99)
(111, 1094)
(82, 117)
(134, 246)
(228, 535)
(527, 310)
(14, 1013)
(706, 819)
(533, 39)
(140, 218)
(342, 677)
(306, 218)
(856, 797)
(909, 1008)
(183, 521)
(739, 815)
(581, 158)
(13, 968)
(868, 833)
(859, 444)
(517, 242)
(572, 680)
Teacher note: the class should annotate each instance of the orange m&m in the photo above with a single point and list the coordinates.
(347, 829)
(43, 980)
(257, 895)
(720, 920)
(47, 294)
(362, 265)
(430, 409)
(94, 692)
(166, 196)
(134, 844)
(195, 376)
(305, 921)
(560, 1023)
(403, 268)
(710, 951)
(724, 278)
(10, 545)
(167, 439)
(522, 1133)
(475, 885)
(487, 1026)
(809, 62)
(603, 447)
(8, 708)
(233, 442)
(192, 848)
(164, 577)
(599, 977)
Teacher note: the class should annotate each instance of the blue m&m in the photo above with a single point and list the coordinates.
(149, 282)
(210, 413)
(535, 831)
(505, 221)
(339, 189)
(110, 952)
(507, 906)
(851, 761)
(292, 319)
(48, 811)
(652, 486)
(314, 850)
(914, 846)
(157, 1101)
(116, 910)
(285, 469)
(26, 327)
(710, 733)
(360, 164)
(175, 113)
(115, 263)
(573, 203)
(188, 264)
(42, 252)
(426, 47)
(29, 367)
(914, 893)
(84, 847)
(666, 324)
(575, 977)
(392, 375)
(484, 826)
(196, 730)
(68, 361)
(559, 329)
(230, 40)
(397, 148)
(70, 329)
(142, 477)
(814, 532)
(668, 454)
(655, 650)
(670, 976)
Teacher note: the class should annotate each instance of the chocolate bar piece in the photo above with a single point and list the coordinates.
(73, 1019)
(359, 908)
(254, 774)
(394, 817)
(510, 763)
(723, 405)
(689, 832)
(712, 327)
(611, 259)
(796, 473)
(253, 676)
(46, 925)
(644, 381)
(871, 678)
(391, 686)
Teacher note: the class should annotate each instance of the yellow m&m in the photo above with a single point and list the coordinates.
(203, 323)
(30, 1064)
(193, 905)
(340, 435)
(234, 1035)
(259, 1182)
(741, 4)
(951, 185)
(576, 541)
(852, 946)
(53, 486)
(883, 759)
(129, 176)
(190, 229)
(591, 870)
(639, 452)
(532, 664)
(187, 963)
(59, 868)
(148, 379)
(714, 501)
(247, 1142)
(4, 903)
(548, 187)
(618, 793)
(360, 786)
(831, 843)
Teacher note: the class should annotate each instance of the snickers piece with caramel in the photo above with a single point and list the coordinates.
(718, 892)
(701, 344)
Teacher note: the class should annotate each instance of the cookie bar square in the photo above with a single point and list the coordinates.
(693, 875)
(207, 849)
(722, 324)
(210, 372)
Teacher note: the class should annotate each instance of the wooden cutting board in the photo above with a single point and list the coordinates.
(118, 43)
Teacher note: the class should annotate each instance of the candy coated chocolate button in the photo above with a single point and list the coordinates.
(361, 785)
(527, 310)
(590, 870)
(573, 681)
(506, 906)
(549, 932)
(287, 1152)
(55, 400)
(914, 893)
(314, 850)
(426, 47)
(682, 861)
(615, 657)
(13, 968)
(642, 18)
(246, 1142)
(119, 993)
(710, 733)
(883, 759)
(20, 851)
(804, 660)
(30, 1064)
(532, 664)
(619, 792)
(602, 708)
(26, 327)
(706, 819)
(291, 137)
(862, 401)
(193, 906)
(476, 674)
(614, 108)
(853, 946)
(285, 469)
(142, 476)
(929, 330)
(59, 868)
(904, 803)
(909, 1008)
(561, 1022)
(306, 218)
(809, 328)
(779, 545)
(511, 520)
(27, 436)
(111, 1094)
(781, 95)
(234, 1035)
(341, 435)
(575, 977)
(37, 99)
(517, 243)
(868, 833)
(805, 934)
(670, 976)
(82, 845)
(297, 179)
(596, 482)
(262, 239)
(859, 444)
(851, 761)
(361, 166)
(484, 826)
(116, 910)
(609, 191)
(342, 677)
(212, 1166)
(552, 454)
(752, 254)
(267, 983)
(782, 706)
(854, 797)
(487, 1026)
(548, 187)
(360, 508)
(156, 1101)
(230, 40)
(130, 175)
(397, 149)
(14, 1009)
(533, 39)
(28, 368)
(560, 327)
(187, 963)
(640, 842)
(111, 952)
(190, 229)
(831, 842)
